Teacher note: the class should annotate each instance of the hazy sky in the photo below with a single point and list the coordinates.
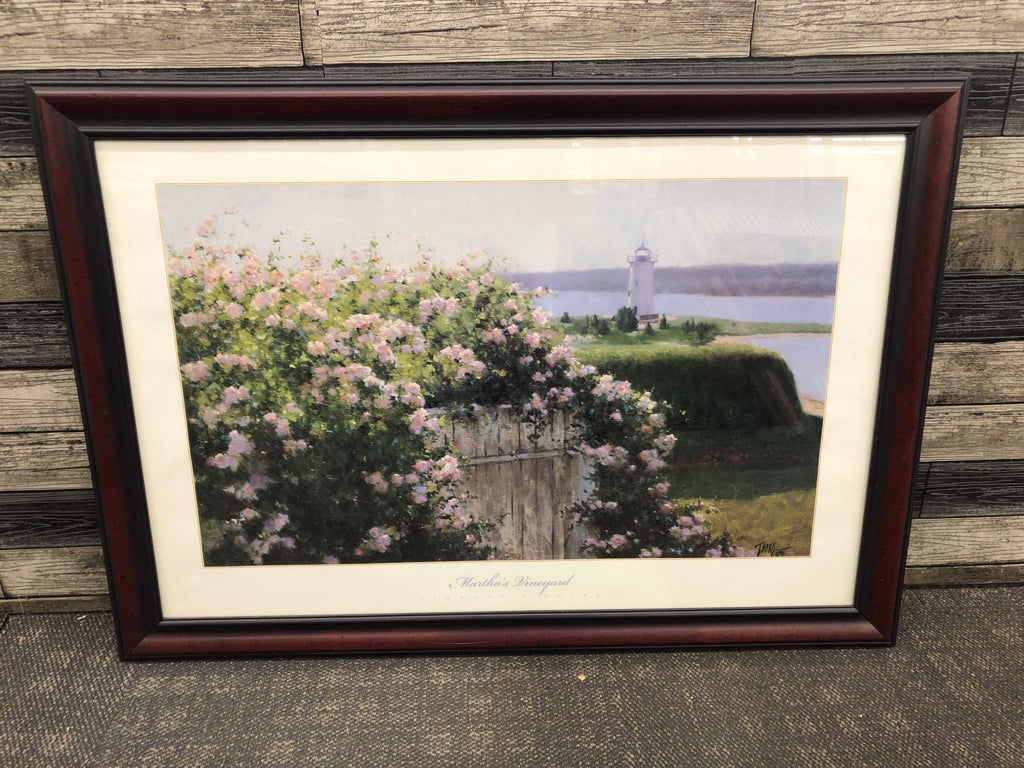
(536, 226)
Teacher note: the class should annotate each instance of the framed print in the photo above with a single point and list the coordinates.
(491, 366)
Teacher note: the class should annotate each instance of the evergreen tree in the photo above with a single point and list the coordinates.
(625, 319)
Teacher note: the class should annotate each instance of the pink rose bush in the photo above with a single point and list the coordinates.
(318, 394)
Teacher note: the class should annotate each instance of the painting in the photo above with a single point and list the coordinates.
(423, 367)
(395, 372)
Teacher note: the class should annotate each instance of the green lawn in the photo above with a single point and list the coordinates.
(761, 483)
(775, 523)
(760, 506)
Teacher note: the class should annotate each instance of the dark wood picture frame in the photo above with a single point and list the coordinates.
(69, 119)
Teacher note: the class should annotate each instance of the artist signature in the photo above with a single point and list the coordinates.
(770, 549)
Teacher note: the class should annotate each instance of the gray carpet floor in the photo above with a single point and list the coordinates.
(951, 693)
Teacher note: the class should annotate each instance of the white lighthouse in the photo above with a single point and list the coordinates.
(640, 293)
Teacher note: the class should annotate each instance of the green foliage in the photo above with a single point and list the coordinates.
(700, 332)
(625, 319)
(565, 318)
(694, 333)
(724, 386)
(589, 325)
(663, 323)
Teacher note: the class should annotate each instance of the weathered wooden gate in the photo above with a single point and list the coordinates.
(521, 479)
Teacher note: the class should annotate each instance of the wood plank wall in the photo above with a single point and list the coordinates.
(969, 513)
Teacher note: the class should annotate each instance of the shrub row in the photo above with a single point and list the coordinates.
(721, 386)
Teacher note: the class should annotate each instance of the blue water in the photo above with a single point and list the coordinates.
(806, 356)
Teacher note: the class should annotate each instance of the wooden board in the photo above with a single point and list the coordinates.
(33, 335)
(1014, 125)
(27, 267)
(927, 576)
(53, 572)
(42, 461)
(920, 489)
(981, 308)
(62, 528)
(991, 173)
(78, 34)
(973, 373)
(974, 488)
(801, 27)
(48, 519)
(531, 30)
(309, 28)
(973, 433)
(439, 70)
(21, 195)
(36, 401)
(966, 541)
(986, 240)
(986, 102)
